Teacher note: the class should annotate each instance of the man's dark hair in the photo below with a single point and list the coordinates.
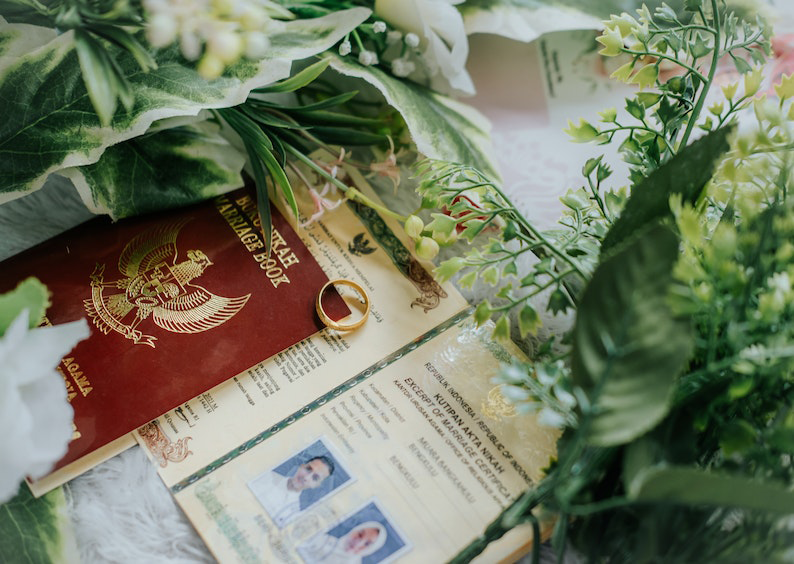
(325, 460)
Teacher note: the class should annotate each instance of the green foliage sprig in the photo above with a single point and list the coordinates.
(677, 57)
(675, 384)
(275, 134)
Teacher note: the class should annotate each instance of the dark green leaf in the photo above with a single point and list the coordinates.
(330, 102)
(299, 80)
(97, 75)
(741, 65)
(167, 169)
(737, 436)
(692, 5)
(510, 231)
(345, 136)
(268, 118)
(502, 329)
(628, 346)
(700, 48)
(263, 204)
(335, 118)
(528, 320)
(559, 302)
(648, 99)
(686, 174)
(122, 39)
(483, 312)
(635, 108)
(692, 486)
(279, 176)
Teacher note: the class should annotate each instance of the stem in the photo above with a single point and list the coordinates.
(670, 58)
(707, 82)
(349, 191)
(507, 519)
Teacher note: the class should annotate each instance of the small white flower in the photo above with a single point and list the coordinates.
(368, 58)
(345, 48)
(34, 411)
(226, 45)
(436, 28)
(412, 40)
(379, 27)
(256, 44)
(402, 67)
(161, 30)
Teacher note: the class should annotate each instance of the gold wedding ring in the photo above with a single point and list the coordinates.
(330, 323)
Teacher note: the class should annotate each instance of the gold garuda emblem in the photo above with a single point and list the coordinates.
(153, 284)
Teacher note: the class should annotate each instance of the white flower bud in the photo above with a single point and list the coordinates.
(414, 226)
(412, 40)
(368, 58)
(210, 67)
(161, 30)
(256, 44)
(402, 67)
(190, 45)
(426, 248)
(226, 45)
(379, 27)
(345, 48)
(253, 18)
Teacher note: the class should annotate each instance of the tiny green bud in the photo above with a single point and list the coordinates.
(785, 89)
(752, 81)
(583, 132)
(612, 41)
(491, 276)
(729, 90)
(623, 72)
(609, 115)
(210, 67)
(483, 312)
(426, 248)
(676, 84)
(646, 76)
(624, 23)
(442, 223)
(414, 226)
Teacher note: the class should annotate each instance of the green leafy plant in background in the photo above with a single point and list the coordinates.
(674, 385)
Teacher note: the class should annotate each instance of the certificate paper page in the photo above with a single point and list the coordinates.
(352, 242)
(414, 459)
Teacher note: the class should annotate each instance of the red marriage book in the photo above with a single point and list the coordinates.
(177, 303)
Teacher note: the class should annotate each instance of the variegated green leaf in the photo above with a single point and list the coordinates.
(171, 168)
(441, 127)
(525, 20)
(17, 40)
(49, 123)
(37, 531)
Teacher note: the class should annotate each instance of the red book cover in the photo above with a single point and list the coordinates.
(177, 303)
